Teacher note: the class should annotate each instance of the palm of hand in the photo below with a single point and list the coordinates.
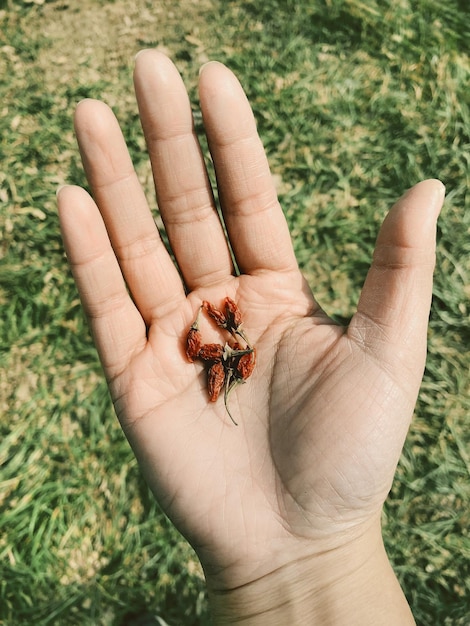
(310, 456)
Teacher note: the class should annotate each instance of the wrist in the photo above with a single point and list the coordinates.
(351, 585)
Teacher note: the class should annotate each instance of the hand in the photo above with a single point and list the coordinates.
(324, 416)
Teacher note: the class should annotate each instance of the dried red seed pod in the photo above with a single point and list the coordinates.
(246, 365)
(218, 317)
(211, 352)
(215, 380)
(193, 344)
(233, 314)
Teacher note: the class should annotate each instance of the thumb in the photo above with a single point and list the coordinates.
(393, 310)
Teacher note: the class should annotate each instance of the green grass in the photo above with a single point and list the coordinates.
(355, 100)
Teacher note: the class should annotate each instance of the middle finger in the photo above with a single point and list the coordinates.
(182, 185)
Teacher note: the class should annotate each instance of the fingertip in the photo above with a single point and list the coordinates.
(140, 53)
(91, 112)
(151, 61)
(224, 104)
(413, 217)
(440, 185)
(63, 193)
(81, 224)
(154, 53)
(209, 65)
(74, 201)
(438, 191)
(58, 190)
(430, 192)
(217, 78)
(83, 102)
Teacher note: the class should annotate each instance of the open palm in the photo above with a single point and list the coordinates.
(323, 418)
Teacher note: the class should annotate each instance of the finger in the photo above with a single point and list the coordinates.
(183, 189)
(393, 310)
(257, 228)
(117, 326)
(147, 267)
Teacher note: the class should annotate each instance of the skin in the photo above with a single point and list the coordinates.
(283, 510)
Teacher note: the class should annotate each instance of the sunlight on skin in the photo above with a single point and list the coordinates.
(277, 506)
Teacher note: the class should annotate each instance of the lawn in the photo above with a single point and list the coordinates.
(355, 100)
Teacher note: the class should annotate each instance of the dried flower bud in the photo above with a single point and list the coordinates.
(218, 317)
(246, 365)
(193, 344)
(215, 380)
(211, 352)
(233, 314)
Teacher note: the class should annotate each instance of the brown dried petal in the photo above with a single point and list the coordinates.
(246, 365)
(193, 344)
(233, 314)
(215, 380)
(215, 314)
(211, 352)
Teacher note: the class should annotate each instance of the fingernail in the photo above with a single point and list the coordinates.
(435, 189)
(437, 194)
(201, 69)
(441, 189)
(139, 53)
